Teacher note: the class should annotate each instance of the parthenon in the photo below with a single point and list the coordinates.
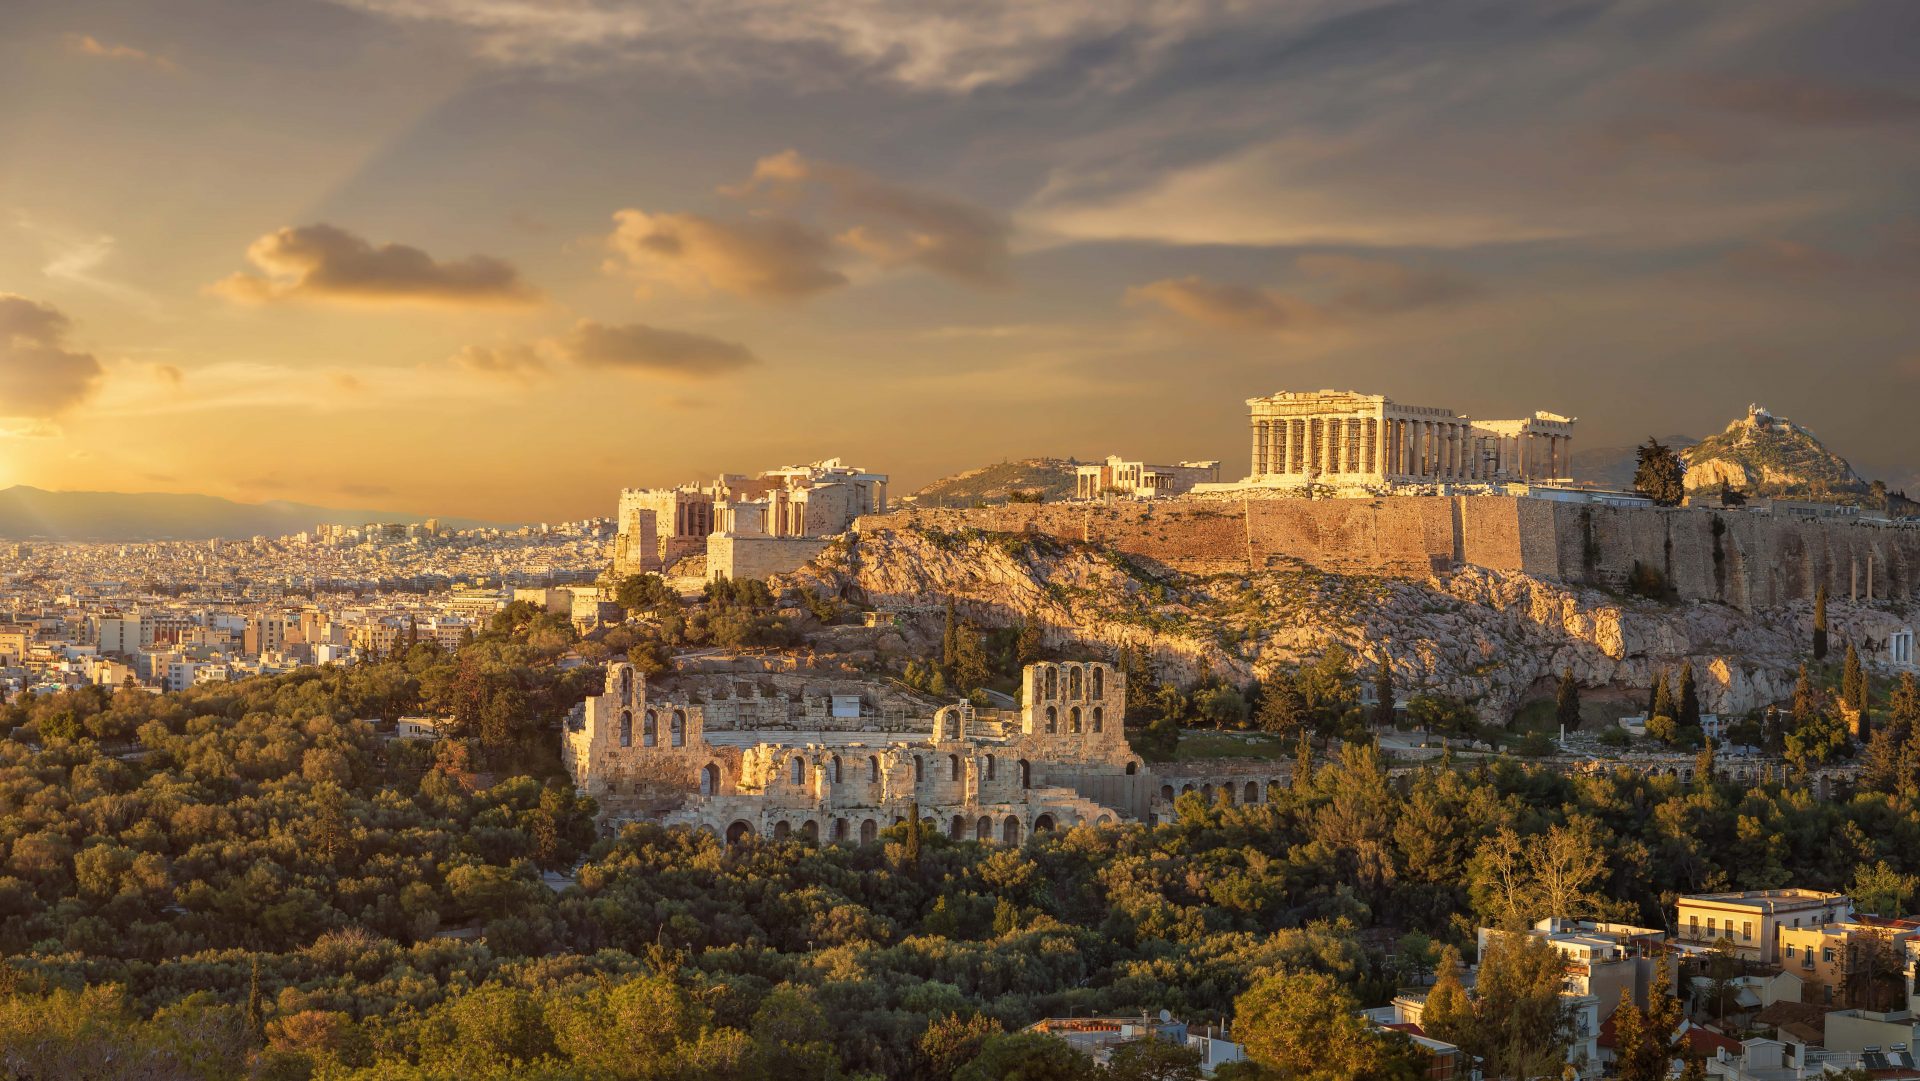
(1348, 438)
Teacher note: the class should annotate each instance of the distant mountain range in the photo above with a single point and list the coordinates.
(28, 513)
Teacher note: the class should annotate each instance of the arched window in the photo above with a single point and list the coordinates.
(1026, 774)
(1073, 682)
(1099, 688)
(1166, 792)
(626, 683)
(836, 769)
(679, 730)
(626, 728)
(873, 769)
(953, 727)
(1099, 716)
(649, 730)
(989, 767)
(869, 829)
(1253, 791)
(919, 769)
(798, 771)
(983, 830)
(1073, 719)
(1053, 683)
(710, 780)
(953, 761)
(1012, 832)
(958, 828)
(1053, 719)
(1133, 768)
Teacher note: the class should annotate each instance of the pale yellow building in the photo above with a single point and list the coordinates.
(1752, 921)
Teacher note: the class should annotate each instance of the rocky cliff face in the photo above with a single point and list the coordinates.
(1490, 638)
(1769, 455)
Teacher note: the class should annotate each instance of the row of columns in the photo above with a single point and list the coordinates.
(1435, 449)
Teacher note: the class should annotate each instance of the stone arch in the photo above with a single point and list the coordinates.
(1053, 719)
(1076, 688)
(836, 769)
(782, 830)
(738, 833)
(1206, 790)
(1073, 720)
(678, 731)
(650, 729)
(1253, 792)
(919, 769)
(1186, 788)
(983, 829)
(1226, 792)
(869, 829)
(1053, 683)
(873, 769)
(626, 728)
(1104, 819)
(710, 780)
(810, 829)
(1043, 824)
(957, 829)
(950, 729)
(1166, 792)
(1099, 717)
(953, 767)
(1010, 832)
(797, 770)
(1026, 774)
(1099, 691)
(839, 830)
(1133, 768)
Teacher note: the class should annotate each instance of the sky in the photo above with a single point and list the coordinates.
(501, 258)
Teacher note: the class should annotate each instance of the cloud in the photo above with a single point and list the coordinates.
(809, 220)
(1351, 289)
(636, 347)
(958, 49)
(762, 258)
(40, 378)
(327, 263)
(88, 45)
(895, 224)
(1802, 100)
(517, 362)
(629, 347)
(169, 374)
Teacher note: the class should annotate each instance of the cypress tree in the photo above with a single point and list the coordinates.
(1806, 703)
(1383, 693)
(912, 855)
(947, 638)
(1662, 699)
(1820, 624)
(1566, 702)
(1688, 700)
(256, 1012)
(1656, 693)
(1703, 765)
(1853, 680)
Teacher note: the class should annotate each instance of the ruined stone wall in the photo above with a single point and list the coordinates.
(740, 557)
(1749, 560)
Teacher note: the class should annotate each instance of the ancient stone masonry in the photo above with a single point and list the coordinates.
(660, 525)
(1747, 559)
(1347, 438)
(841, 762)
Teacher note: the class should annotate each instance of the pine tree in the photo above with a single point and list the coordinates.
(1687, 702)
(1659, 475)
(1566, 702)
(1646, 1041)
(1820, 624)
(1282, 710)
(971, 670)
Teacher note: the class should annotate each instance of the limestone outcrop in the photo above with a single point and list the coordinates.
(1490, 637)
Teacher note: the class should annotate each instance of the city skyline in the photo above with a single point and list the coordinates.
(500, 261)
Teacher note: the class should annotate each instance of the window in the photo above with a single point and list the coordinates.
(1826, 954)
(1693, 927)
(919, 769)
(1053, 719)
(798, 769)
(1099, 691)
(836, 769)
(989, 767)
(953, 763)
(1073, 719)
(1746, 931)
(1709, 926)
(873, 769)
(649, 730)
(1097, 719)
(679, 730)
(626, 728)
(1790, 949)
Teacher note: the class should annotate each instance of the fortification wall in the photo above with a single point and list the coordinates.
(1748, 560)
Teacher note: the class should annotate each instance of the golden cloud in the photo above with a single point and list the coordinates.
(327, 263)
(40, 378)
